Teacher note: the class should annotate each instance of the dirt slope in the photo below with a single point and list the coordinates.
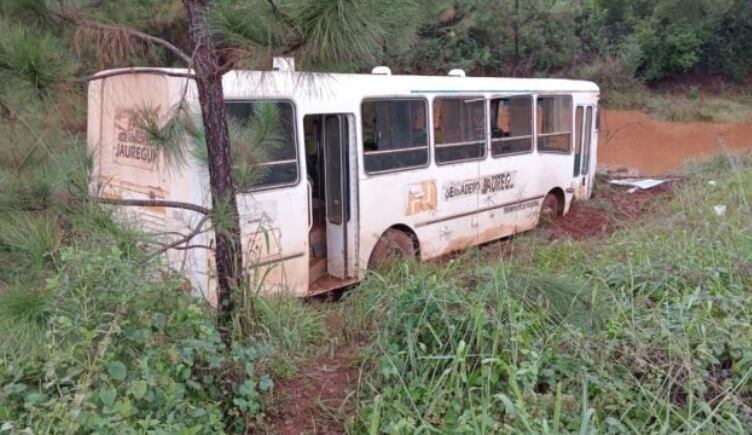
(651, 147)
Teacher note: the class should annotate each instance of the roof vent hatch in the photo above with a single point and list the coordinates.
(285, 64)
(382, 71)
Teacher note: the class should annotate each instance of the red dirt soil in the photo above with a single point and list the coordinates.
(610, 208)
(634, 140)
(322, 384)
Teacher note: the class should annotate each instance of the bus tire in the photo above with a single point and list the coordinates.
(551, 207)
(394, 245)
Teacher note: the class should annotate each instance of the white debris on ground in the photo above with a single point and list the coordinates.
(639, 183)
(720, 210)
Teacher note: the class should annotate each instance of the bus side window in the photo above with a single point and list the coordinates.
(262, 139)
(459, 129)
(395, 135)
(588, 140)
(511, 125)
(578, 140)
(555, 124)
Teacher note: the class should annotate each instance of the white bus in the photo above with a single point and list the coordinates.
(367, 166)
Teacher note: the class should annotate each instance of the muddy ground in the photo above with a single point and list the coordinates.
(316, 398)
(633, 141)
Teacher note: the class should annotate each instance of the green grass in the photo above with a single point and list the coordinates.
(645, 331)
(28, 245)
(691, 106)
(24, 313)
(290, 325)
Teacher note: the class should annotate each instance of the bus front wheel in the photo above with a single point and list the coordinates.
(394, 245)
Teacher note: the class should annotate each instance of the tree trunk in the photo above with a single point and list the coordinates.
(228, 253)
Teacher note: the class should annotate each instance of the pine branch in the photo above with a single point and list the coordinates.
(102, 27)
(285, 18)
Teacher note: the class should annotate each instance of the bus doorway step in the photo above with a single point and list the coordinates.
(317, 269)
(329, 283)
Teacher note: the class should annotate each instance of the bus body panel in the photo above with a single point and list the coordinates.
(514, 209)
(274, 227)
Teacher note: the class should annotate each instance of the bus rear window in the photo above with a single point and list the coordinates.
(554, 124)
(262, 136)
(511, 125)
(395, 134)
(459, 129)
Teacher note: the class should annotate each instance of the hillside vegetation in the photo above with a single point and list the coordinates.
(644, 331)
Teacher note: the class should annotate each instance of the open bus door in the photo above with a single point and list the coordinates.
(333, 236)
(583, 179)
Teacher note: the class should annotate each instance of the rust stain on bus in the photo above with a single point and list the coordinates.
(462, 243)
(109, 194)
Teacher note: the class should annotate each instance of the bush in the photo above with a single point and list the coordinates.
(611, 75)
(123, 351)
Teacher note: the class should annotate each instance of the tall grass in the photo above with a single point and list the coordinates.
(24, 313)
(28, 245)
(289, 325)
(648, 331)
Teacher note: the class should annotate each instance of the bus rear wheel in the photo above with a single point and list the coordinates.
(394, 245)
(551, 209)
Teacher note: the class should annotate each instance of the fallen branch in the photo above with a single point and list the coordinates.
(185, 239)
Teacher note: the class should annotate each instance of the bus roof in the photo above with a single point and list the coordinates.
(414, 84)
(311, 85)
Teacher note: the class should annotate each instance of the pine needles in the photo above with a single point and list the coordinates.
(34, 57)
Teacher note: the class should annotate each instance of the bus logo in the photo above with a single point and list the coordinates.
(131, 142)
(485, 186)
(421, 197)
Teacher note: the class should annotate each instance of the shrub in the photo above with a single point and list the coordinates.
(124, 352)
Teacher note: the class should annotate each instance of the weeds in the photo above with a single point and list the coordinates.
(24, 313)
(28, 244)
(645, 332)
